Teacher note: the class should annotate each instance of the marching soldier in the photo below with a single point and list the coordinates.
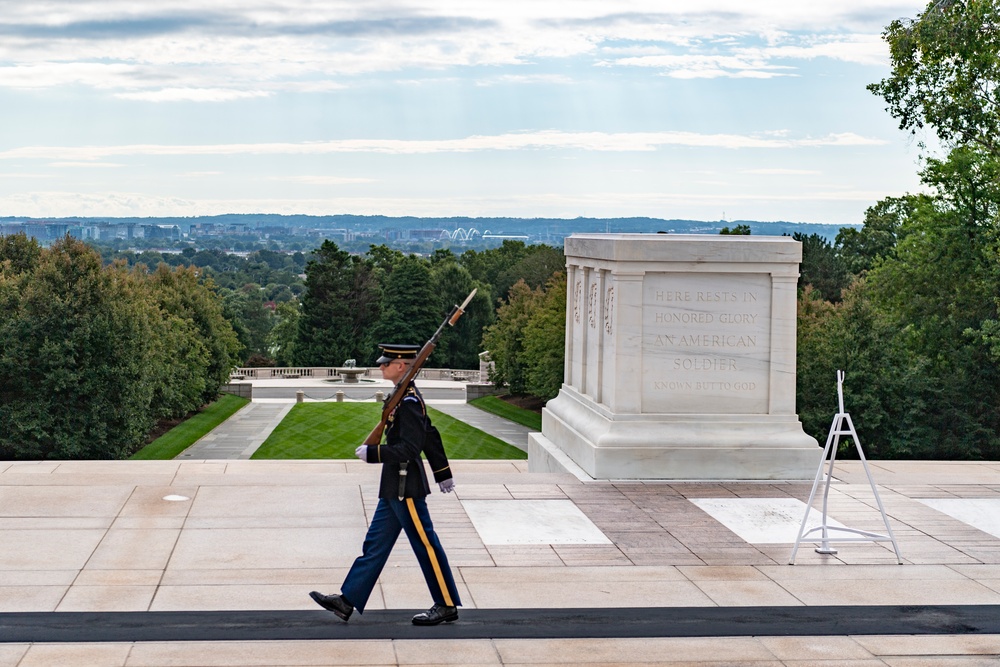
(402, 502)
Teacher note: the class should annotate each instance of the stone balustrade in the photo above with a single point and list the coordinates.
(330, 372)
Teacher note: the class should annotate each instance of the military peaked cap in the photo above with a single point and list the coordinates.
(391, 352)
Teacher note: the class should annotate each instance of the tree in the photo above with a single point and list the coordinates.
(252, 319)
(275, 260)
(535, 268)
(384, 259)
(939, 291)
(886, 389)
(921, 325)
(544, 351)
(209, 337)
(442, 256)
(92, 355)
(968, 180)
(945, 72)
(282, 339)
(77, 354)
(487, 266)
(859, 250)
(18, 253)
(817, 361)
(736, 230)
(411, 309)
(452, 283)
(181, 356)
(504, 339)
(821, 266)
(339, 306)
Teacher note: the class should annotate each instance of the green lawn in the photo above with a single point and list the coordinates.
(507, 411)
(176, 440)
(334, 430)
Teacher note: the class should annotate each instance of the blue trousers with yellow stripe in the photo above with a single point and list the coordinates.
(391, 516)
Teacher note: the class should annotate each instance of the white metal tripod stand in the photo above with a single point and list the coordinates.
(842, 425)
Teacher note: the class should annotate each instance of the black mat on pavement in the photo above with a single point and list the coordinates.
(501, 623)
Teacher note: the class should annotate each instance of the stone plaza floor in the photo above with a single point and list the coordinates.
(158, 563)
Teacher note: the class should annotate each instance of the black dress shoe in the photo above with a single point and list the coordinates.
(335, 603)
(436, 614)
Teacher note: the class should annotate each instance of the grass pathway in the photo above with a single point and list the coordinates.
(176, 440)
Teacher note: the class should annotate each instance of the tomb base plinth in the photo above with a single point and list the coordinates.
(593, 444)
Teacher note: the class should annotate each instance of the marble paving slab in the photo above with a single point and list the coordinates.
(532, 522)
(981, 513)
(763, 520)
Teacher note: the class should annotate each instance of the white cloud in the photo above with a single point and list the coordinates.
(840, 139)
(710, 73)
(551, 139)
(323, 180)
(861, 49)
(692, 66)
(783, 172)
(189, 51)
(192, 95)
(741, 61)
(526, 79)
(86, 165)
(52, 74)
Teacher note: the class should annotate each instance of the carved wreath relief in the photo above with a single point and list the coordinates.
(577, 293)
(592, 305)
(609, 311)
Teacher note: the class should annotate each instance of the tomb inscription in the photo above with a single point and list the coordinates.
(706, 343)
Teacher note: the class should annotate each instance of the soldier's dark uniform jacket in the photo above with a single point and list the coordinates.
(408, 433)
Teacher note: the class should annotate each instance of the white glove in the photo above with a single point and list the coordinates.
(362, 452)
(447, 486)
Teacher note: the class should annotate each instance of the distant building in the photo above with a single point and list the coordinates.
(45, 232)
(164, 232)
(206, 229)
(37, 231)
(107, 231)
(424, 234)
(85, 232)
(340, 234)
(56, 230)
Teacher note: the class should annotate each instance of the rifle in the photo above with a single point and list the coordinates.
(375, 437)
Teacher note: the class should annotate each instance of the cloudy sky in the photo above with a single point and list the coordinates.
(703, 110)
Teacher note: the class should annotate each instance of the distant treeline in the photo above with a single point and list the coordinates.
(328, 305)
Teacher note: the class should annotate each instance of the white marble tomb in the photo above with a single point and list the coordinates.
(680, 361)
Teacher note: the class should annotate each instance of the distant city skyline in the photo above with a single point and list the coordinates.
(527, 108)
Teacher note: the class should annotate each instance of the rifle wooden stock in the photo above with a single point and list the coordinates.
(375, 437)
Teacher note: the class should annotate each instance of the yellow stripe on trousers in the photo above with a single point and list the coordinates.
(430, 552)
